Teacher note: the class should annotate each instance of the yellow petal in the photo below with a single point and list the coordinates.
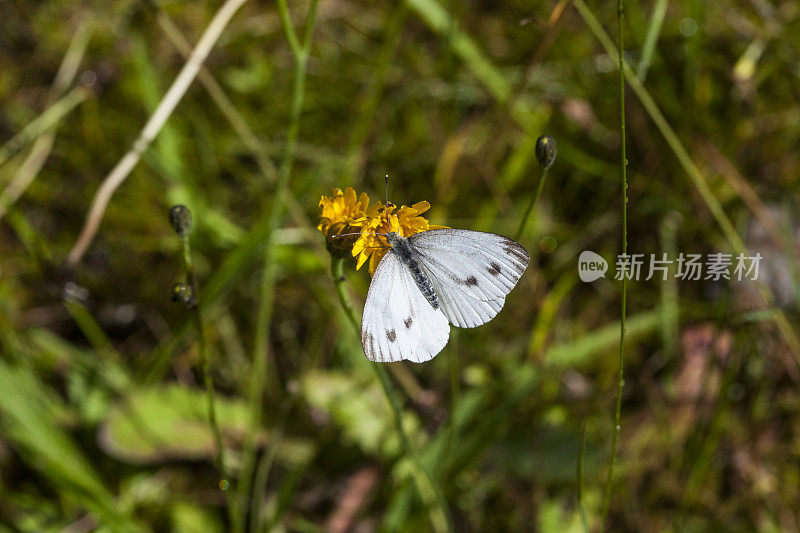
(361, 206)
(421, 207)
(359, 246)
(361, 259)
(349, 196)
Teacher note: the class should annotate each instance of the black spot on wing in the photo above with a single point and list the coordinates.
(408, 321)
(391, 335)
(494, 269)
(471, 281)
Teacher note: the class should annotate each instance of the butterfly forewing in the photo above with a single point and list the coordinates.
(398, 322)
(482, 266)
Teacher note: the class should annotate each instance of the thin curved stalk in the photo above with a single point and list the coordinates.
(581, 497)
(698, 180)
(623, 163)
(197, 318)
(44, 122)
(123, 168)
(529, 209)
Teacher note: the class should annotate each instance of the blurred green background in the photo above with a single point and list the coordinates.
(103, 420)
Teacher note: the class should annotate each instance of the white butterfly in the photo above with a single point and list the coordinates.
(433, 279)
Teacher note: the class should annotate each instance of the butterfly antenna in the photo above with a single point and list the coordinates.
(387, 190)
(348, 234)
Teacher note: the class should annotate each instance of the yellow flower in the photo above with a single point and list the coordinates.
(404, 221)
(336, 213)
(350, 225)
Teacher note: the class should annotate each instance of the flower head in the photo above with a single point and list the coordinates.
(380, 219)
(352, 228)
(336, 213)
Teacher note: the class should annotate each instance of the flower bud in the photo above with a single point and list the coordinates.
(546, 151)
(183, 293)
(340, 238)
(180, 218)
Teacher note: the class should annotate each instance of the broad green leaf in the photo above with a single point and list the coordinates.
(171, 422)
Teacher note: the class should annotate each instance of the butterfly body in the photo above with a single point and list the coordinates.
(433, 279)
(405, 252)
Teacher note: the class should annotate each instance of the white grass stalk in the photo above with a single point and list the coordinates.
(165, 108)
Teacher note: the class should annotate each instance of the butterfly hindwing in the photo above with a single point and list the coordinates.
(462, 310)
(398, 322)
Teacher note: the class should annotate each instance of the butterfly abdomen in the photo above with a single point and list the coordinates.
(405, 252)
(424, 284)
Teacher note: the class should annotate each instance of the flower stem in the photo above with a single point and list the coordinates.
(429, 491)
(337, 270)
(529, 209)
(194, 305)
(623, 174)
(581, 498)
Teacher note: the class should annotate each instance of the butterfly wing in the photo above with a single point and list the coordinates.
(464, 311)
(398, 322)
(471, 271)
